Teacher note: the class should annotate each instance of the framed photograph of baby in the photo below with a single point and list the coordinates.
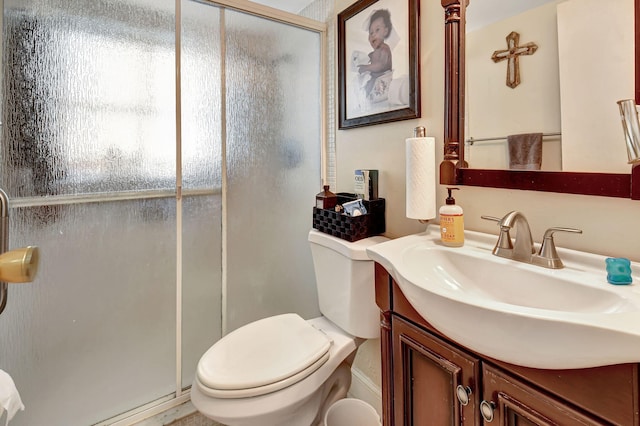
(378, 62)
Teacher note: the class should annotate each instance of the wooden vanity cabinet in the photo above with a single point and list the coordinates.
(511, 402)
(424, 373)
(428, 373)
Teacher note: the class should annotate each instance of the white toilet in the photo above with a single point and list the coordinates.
(283, 370)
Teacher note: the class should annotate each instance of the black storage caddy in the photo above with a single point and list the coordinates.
(351, 228)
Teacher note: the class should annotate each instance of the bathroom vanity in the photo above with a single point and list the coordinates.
(428, 379)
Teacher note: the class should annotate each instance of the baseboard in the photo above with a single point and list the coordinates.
(155, 413)
(362, 387)
(169, 416)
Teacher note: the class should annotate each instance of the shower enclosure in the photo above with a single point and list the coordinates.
(164, 156)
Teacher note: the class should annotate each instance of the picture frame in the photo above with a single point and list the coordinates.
(378, 74)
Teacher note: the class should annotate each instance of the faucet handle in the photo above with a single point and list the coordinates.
(549, 232)
(548, 248)
(504, 239)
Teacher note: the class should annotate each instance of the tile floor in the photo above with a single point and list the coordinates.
(195, 419)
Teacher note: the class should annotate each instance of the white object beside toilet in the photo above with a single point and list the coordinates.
(283, 370)
(10, 401)
(351, 412)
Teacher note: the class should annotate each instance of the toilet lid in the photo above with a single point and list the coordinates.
(263, 356)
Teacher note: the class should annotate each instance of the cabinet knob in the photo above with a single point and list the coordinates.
(463, 393)
(486, 409)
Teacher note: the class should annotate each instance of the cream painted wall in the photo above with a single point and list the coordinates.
(382, 147)
(611, 226)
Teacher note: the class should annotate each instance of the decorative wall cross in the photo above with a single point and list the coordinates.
(512, 54)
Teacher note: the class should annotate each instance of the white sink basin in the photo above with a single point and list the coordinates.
(515, 312)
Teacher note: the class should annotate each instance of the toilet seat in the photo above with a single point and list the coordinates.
(261, 357)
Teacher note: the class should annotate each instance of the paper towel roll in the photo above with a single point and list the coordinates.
(421, 178)
(9, 397)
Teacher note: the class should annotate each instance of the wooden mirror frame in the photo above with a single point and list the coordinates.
(454, 170)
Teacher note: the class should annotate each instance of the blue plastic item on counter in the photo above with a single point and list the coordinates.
(618, 270)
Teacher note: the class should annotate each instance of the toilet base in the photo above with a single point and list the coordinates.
(335, 389)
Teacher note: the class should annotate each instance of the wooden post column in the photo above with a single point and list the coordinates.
(453, 91)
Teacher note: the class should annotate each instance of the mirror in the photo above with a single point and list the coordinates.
(559, 56)
(455, 170)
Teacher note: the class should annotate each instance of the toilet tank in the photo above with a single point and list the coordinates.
(345, 282)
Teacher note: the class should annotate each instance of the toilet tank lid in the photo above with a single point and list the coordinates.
(356, 250)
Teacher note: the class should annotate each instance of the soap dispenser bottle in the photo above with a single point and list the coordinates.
(451, 222)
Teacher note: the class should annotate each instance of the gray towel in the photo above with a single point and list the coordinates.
(525, 151)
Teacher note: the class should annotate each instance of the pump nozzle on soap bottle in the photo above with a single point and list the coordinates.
(451, 222)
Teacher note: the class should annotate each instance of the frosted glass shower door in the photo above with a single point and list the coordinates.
(94, 148)
(88, 160)
(273, 127)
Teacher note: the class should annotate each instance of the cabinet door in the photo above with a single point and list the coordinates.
(428, 375)
(511, 402)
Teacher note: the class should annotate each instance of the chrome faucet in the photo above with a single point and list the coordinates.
(523, 244)
(523, 248)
